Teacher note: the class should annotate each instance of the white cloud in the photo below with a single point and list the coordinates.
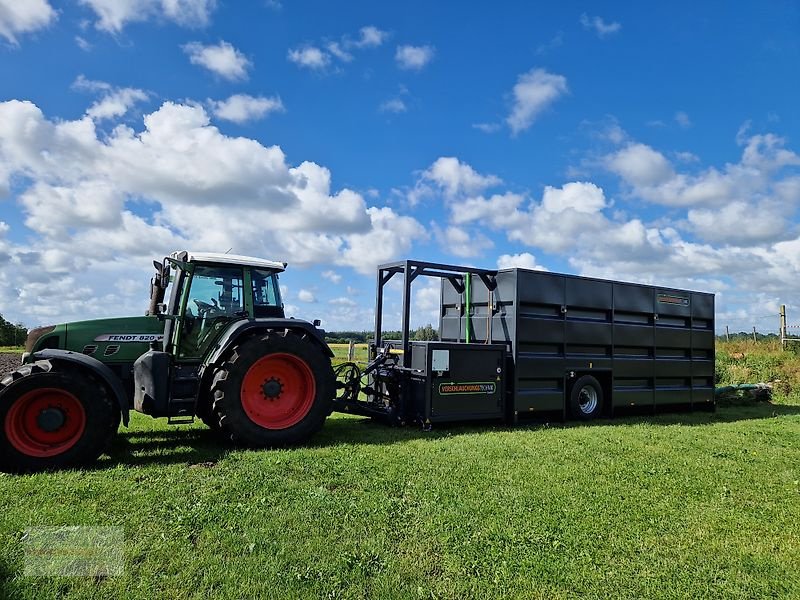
(395, 105)
(524, 260)
(241, 108)
(337, 50)
(460, 242)
(599, 26)
(391, 235)
(82, 43)
(312, 56)
(113, 15)
(487, 127)
(309, 57)
(306, 296)
(533, 93)
(114, 102)
(683, 120)
(343, 301)
(583, 197)
(413, 58)
(332, 276)
(221, 59)
(96, 199)
(454, 177)
(651, 176)
(24, 16)
(370, 37)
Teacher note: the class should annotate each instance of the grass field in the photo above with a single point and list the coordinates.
(675, 506)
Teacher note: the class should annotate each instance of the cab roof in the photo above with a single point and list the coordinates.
(231, 259)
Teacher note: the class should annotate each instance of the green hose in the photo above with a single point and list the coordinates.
(467, 286)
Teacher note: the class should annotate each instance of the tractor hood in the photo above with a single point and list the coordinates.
(121, 339)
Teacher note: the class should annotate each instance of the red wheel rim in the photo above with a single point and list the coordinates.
(45, 422)
(278, 391)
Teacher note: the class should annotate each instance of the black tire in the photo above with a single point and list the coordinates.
(586, 399)
(205, 412)
(75, 419)
(307, 403)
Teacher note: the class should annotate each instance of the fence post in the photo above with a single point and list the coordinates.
(727, 334)
(351, 351)
(783, 326)
(754, 334)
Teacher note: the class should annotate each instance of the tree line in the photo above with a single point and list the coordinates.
(424, 333)
(12, 334)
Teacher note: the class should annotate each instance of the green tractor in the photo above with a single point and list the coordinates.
(220, 349)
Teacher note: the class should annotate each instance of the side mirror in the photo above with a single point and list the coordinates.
(316, 322)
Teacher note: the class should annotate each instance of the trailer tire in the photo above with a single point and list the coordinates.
(53, 419)
(274, 390)
(586, 399)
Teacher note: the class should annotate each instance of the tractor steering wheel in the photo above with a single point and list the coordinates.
(203, 307)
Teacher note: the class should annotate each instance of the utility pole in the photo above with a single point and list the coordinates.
(754, 334)
(783, 326)
(727, 334)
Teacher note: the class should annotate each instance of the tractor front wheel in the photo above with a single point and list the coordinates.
(276, 389)
(52, 419)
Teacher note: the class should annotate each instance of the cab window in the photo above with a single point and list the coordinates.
(266, 294)
(214, 298)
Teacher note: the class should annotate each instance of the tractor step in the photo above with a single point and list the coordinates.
(181, 411)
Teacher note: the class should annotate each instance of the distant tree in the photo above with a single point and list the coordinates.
(12, 334)
(425, 334)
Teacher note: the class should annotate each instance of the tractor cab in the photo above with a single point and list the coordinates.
(210, 291)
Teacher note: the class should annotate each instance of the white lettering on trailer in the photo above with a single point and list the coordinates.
(124, 338)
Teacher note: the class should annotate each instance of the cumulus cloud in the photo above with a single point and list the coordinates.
(370, 37)
(18, 17)
(318, 57)
(113, 102)
(309, 57)
(533, 93)
(95, 198)
(461, 242)
(413, 58)
(599, 25)
(454, 177)
(113, 15)
(221, 59)
(683, 120)
(395, 105)
(241, 108)
(650, 176)
(306, 296)
(523, 260)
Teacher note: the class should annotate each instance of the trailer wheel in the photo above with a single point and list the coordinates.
(53, 419)
(586, 398)
(275, 390)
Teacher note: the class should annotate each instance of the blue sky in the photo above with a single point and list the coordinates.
(653, 143)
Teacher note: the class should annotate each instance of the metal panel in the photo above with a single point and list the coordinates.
(587, 293)
(633, 298)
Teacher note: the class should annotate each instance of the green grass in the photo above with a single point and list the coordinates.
(675, 506)
(12, 349)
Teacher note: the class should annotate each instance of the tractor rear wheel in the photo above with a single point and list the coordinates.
(275, 390)
(51, 419)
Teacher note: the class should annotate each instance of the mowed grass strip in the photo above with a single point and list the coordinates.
(686, 505)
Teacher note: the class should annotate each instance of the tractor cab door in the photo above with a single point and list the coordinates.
(213, 298)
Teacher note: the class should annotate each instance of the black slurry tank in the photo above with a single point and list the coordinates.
(516, 343)
(644, 346)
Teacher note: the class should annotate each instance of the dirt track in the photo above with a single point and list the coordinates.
(8, 362)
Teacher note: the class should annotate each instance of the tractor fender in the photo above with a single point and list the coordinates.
(94, 366)
(253, 326)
